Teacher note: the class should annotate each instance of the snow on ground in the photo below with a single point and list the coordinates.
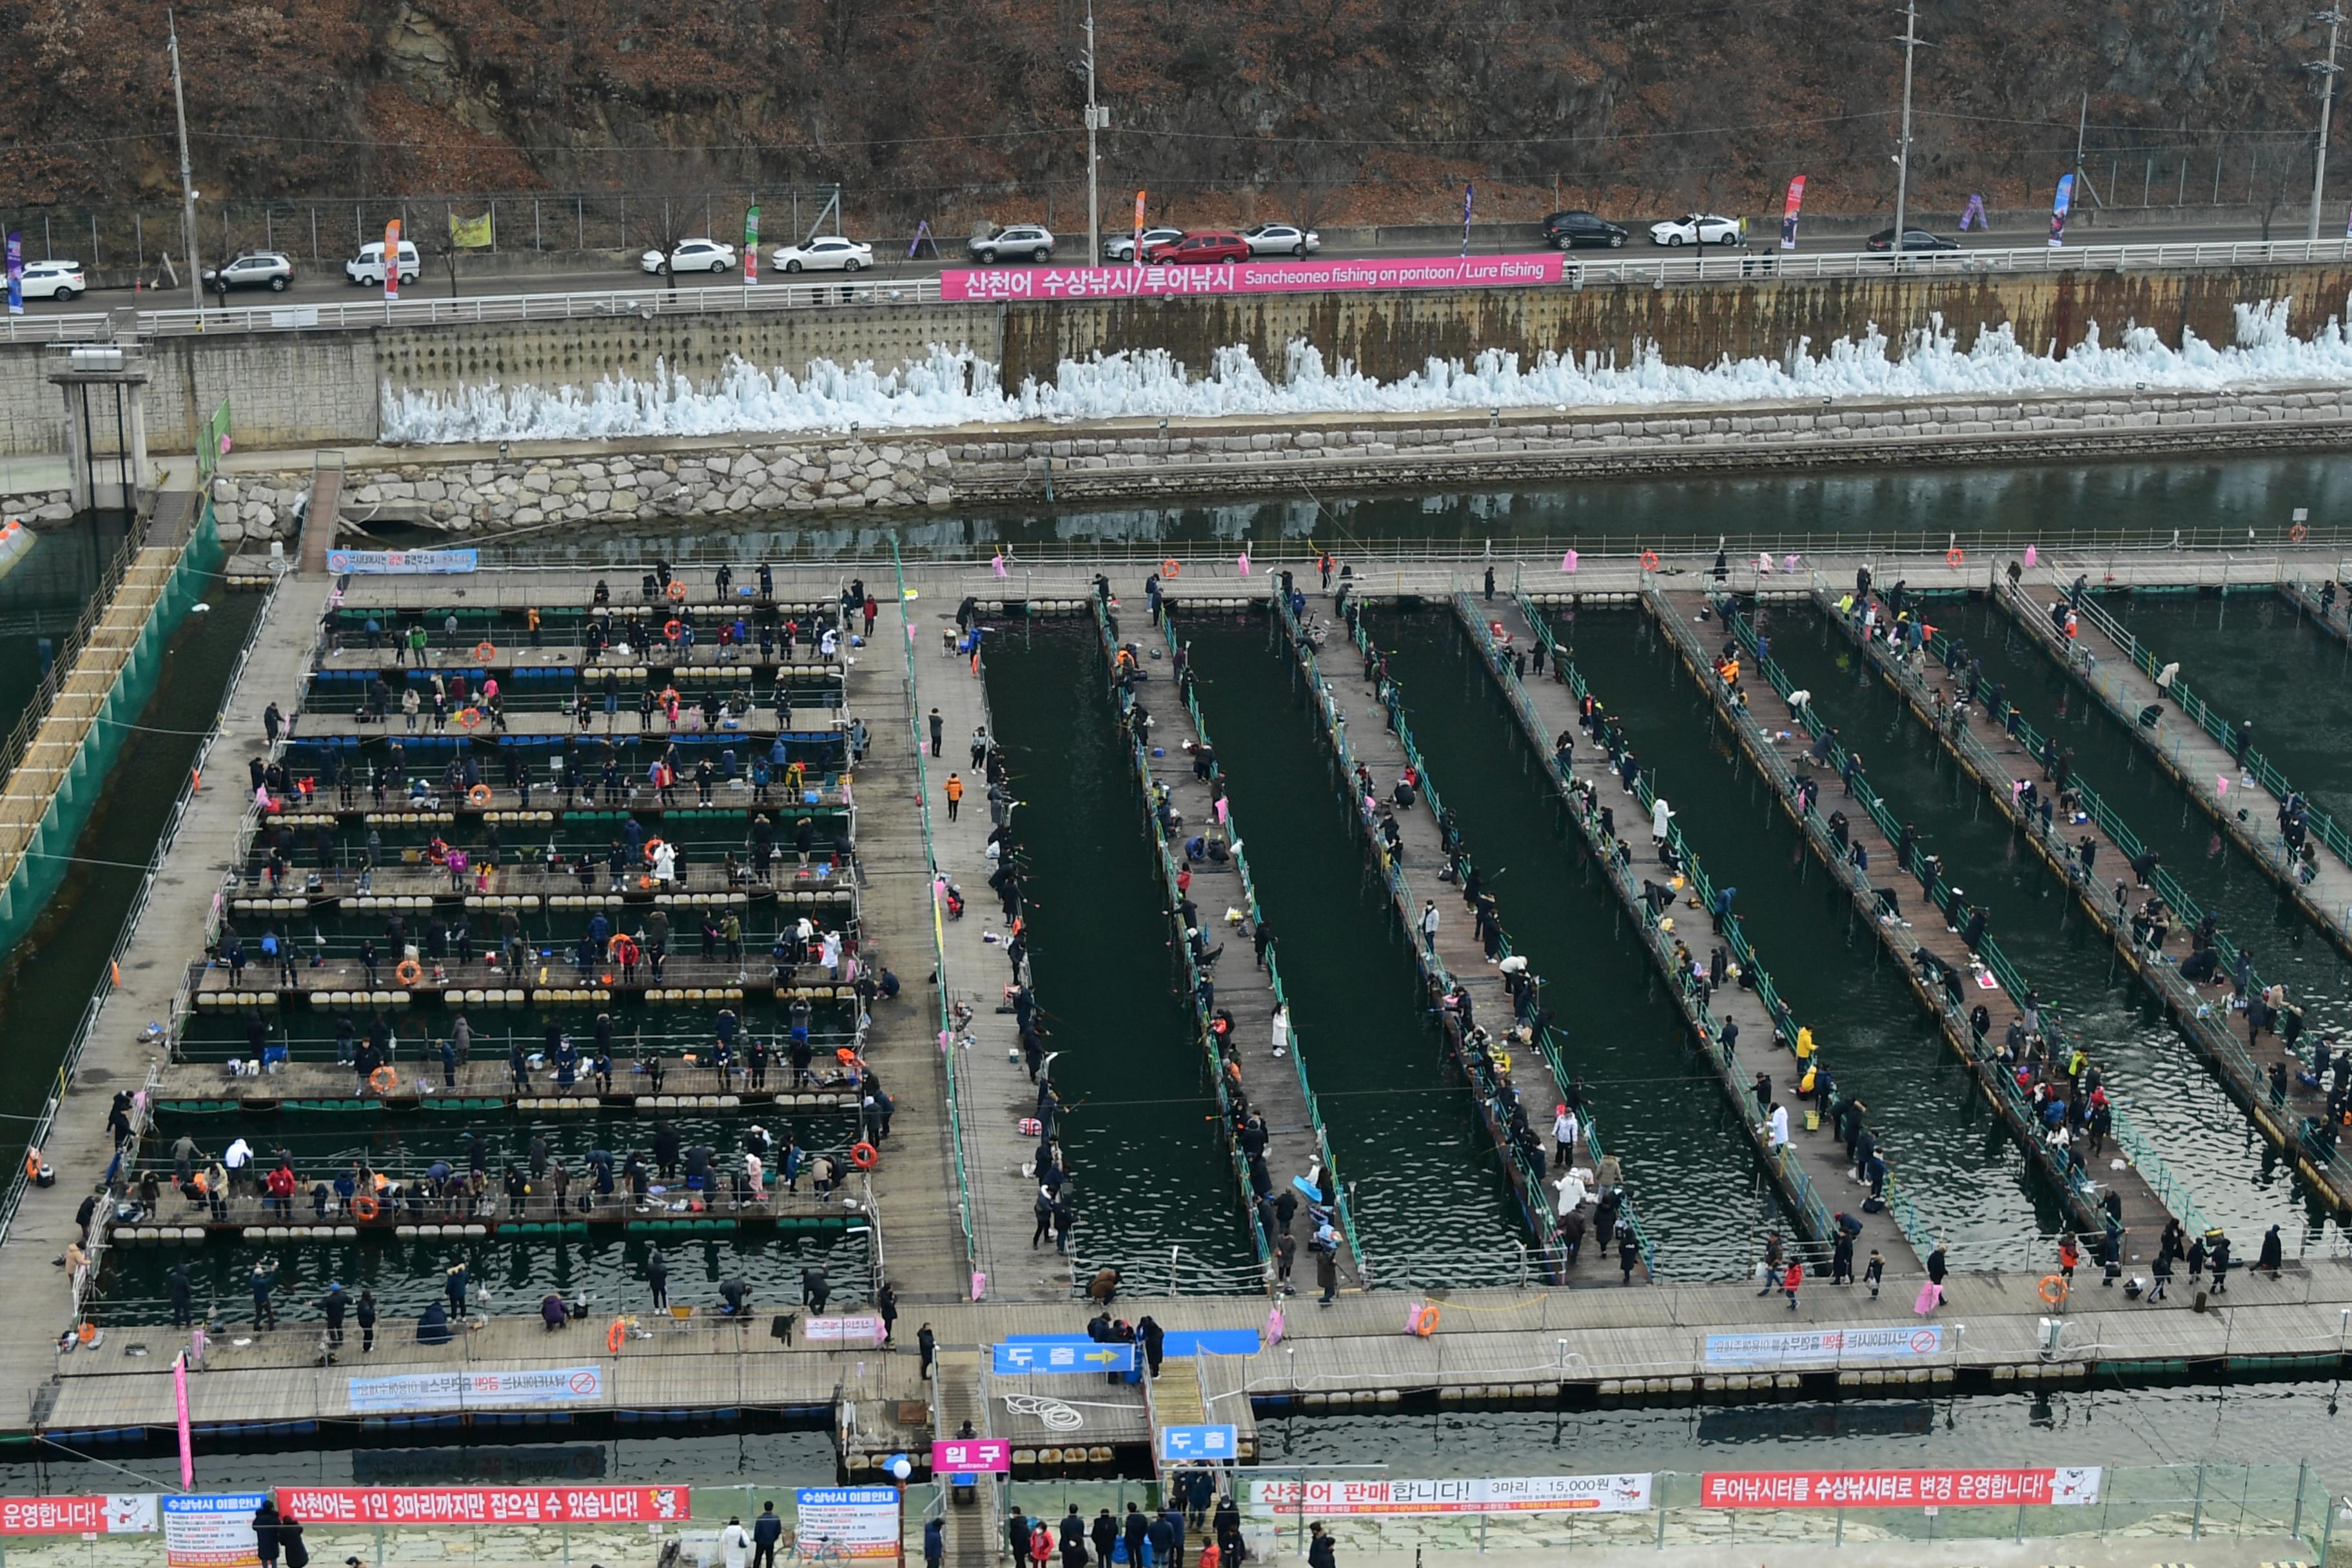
(956, 386)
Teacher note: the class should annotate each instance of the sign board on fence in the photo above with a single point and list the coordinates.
(2072, 1487)
(842, 1329)
(1178, 1343)
(1249, 278)
(1488, 1494)
(972, 1455)
(1896, 1343)
(111, 1513)
(847, 1522)
(400, 563)
(1199, 1442)
(211, 1529)
(485, 1505)
(559, 1385)
(1081, 1355)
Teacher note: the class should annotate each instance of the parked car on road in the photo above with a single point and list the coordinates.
(1913, 239)
(53, 280)
(1199, 247)
(1121, 246)
(1565, 231)
(1696, 228)
(1282, 240)
(826, 253)
(691, 256)
(267, 270)
(367, 266)
(1014, 242)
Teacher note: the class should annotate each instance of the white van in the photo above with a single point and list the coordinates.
(367, 266)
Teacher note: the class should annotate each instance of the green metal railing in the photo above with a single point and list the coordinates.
(939, 934)
(1908, 1217)
(1540, 1213)
(2206, 1028)
(2169, 1190)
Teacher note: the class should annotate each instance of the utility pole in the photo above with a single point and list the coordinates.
(187, 179)
(2335, 20)
(1097, 118)
(1903, 159)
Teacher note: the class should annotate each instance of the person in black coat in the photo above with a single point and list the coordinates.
(1137, 1530)
(265, 1533)
(1318, 1549)
(1106, 1535)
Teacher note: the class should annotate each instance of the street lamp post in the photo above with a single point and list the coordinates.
(2335, 20)
(1903, 158)
(1097, 118)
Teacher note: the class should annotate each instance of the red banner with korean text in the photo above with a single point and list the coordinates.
(2061, 1488)
(484, 1505)
(120, 1513)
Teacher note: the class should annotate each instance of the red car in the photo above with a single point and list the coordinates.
(1199, 245)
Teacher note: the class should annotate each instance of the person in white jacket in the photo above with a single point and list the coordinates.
(736, 1543)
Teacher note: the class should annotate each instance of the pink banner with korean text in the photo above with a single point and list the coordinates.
(1315, 275)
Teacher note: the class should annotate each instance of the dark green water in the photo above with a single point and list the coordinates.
(1659, 1106)
(1143, 1136)
(1431, 1200)
(1943, 1142)
(44, 595)
(2198, 1129)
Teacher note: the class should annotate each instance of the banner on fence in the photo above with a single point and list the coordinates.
(1081, 1355)
(844, 1329)
(485, 1505)
(2068, 1486)
(111, 1513)
(1896, 1343)
(839, 1523)
(1248, 277)
(476, 1390)
(470, 233)
(1485, 1494)
(400, 563)
(211, 1529)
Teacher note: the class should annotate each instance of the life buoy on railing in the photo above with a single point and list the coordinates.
(2298, 533)
(479, 795)
(1649, 561)
(485, 650)
(469, 716)
(651, 846)
(2052, 1289)
(409, 972)
(670, 630)
(617, 1335)
(384, 1080)
(1955, 555)
(1424, 1322)
(363, 1206)
(864, 1156)
(676, 593)
(1172, 567)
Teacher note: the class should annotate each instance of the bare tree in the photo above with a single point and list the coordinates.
(446, 251)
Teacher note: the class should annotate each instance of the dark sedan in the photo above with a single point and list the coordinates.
(1568, 230)
(1913, 239)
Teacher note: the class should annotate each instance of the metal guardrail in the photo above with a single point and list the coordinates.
(1619, 271)
(2169, 1190)
(68, 648)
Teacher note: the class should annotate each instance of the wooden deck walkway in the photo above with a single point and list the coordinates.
(760, 724)
(483, 1083)
(2111, 664)
(1913, 933)
(1996, 758)
(1813, 1170)
(722, 977)
(529, 885)
(2333, 618)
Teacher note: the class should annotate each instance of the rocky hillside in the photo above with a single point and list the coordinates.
(1327, 109)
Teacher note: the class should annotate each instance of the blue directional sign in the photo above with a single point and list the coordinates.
(1199, 1442)
(1067, 1355)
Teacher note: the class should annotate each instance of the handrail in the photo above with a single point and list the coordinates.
(1273, 967)
(1899, 1203)
(1140, 759)
(2196, 1014)
(2169, 1190)
(43, 699)
(1540, 1212)
(938, 933)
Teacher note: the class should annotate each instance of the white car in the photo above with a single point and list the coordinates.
(1030, 240)
(1282, 240)
(826, 253)
(270, 269)
(691, 256)
(1121, 246)
(1696, 228)
(53, 280)
(367, 266)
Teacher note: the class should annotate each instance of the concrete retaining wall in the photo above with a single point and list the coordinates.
(310, 388)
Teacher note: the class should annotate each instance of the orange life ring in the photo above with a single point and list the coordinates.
(479, 795)
(364, 1206)
(864, 1156)
(1649, 561)
(651, 845)
(617, 1335)
(1424, 1322)
(485, 650)
(1172, 567)
(2298, 533)
(676, 593)
(409, 972)
(384, 1080)
(1955, 555)
(2052, 1289)
(469, 716)
(671, 629)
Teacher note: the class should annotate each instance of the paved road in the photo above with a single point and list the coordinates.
(323, 282)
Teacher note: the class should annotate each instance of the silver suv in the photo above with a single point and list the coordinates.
(1031, 241)
(267, 270)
